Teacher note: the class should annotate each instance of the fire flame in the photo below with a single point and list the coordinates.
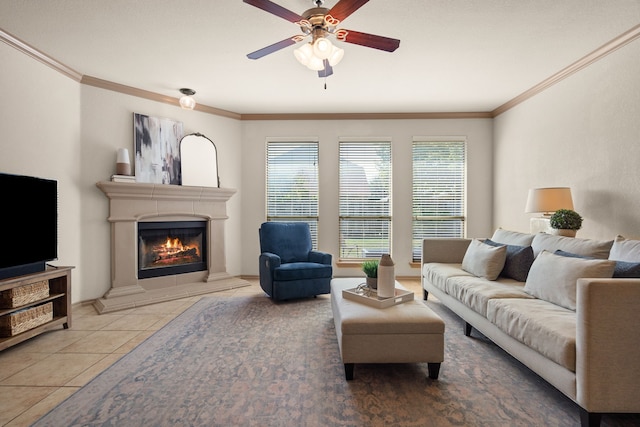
(174, 245)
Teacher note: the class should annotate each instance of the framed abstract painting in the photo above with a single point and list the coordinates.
(157, 148)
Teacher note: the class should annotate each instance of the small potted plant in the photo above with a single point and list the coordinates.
(565, 222)
(370, 268)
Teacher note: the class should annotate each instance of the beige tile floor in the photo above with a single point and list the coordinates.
(38, 374)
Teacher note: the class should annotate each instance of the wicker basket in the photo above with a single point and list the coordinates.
(23, 295)
(23, 320)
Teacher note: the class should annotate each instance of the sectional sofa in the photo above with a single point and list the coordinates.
(567, 308)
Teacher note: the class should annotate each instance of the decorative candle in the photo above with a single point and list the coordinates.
(123, 166)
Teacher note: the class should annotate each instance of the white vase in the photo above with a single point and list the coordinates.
(386, 277)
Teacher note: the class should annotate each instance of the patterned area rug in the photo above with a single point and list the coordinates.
(251, 362)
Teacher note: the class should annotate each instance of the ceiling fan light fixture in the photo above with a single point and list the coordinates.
(187, 102)
(315, 63)
(322, 47)
(304, 53)
(336, 56)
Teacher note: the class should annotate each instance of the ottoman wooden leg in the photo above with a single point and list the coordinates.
(434, 370)
(348, 371)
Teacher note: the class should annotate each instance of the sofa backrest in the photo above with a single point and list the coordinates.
(587, 247)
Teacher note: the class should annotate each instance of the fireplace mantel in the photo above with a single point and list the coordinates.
(130, 203)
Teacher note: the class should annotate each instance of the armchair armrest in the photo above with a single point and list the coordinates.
(445, 250)
(269, 260)
(320, 257)
(608, 345)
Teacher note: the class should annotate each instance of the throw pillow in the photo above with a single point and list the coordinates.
(625, 250)
(553, 277)
(512, 237)
(627, 270)
(483, 260)
(623, 269)
(593, 248)
(518, 261)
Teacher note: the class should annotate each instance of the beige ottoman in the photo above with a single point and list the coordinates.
(405, 333)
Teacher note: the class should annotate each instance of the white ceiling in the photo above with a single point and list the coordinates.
(454, 55)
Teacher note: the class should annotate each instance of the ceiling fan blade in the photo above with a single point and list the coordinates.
(272, 48)
(327, 71)
(275, 9)
(369, 40)
(344, 8)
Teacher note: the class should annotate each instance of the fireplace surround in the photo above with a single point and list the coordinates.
(133, 204)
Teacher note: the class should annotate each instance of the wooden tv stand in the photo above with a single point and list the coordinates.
(59, 279)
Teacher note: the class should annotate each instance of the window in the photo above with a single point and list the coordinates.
(438, 190)
(292, 183)
(365, 198)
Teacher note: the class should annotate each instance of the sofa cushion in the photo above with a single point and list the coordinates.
(437, 273)
(512, 237)
(593, 248)
(553, 277)
(625, 250)
(483, 260)
(518, 261)
(623, 269)
(547, 328)
(475, 292)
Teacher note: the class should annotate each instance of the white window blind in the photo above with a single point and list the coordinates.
(439, 188)
(365, 199)
(292, 183)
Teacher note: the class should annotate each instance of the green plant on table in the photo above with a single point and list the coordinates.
(565, 219)
(370, 268)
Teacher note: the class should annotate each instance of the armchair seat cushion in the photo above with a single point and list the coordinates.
(301, 271)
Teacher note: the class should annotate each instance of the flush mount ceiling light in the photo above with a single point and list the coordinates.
(320, 54)
(187, 102)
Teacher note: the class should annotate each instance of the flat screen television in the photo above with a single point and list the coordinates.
(29, 221)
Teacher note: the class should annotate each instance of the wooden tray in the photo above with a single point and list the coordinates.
(372, 299)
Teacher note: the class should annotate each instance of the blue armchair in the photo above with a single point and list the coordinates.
(289, 268)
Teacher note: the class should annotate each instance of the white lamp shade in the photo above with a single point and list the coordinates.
(315, 63)
(187, 102)
(549, 199)
(322, 48)
(304, 53)
(336, 56)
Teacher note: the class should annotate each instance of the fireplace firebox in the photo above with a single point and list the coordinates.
(171, 247)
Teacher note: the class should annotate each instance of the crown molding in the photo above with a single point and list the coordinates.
(39, 56)
(368, 116)
(607, 48)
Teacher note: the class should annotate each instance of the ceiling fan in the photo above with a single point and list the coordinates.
(319, 23)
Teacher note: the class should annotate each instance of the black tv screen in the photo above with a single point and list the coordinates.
(29, 218)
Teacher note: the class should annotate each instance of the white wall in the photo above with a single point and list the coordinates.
(254, 134)
(40, 136)
(583, 132)
(107, 124)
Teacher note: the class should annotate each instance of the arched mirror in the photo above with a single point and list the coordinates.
(199, 160)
